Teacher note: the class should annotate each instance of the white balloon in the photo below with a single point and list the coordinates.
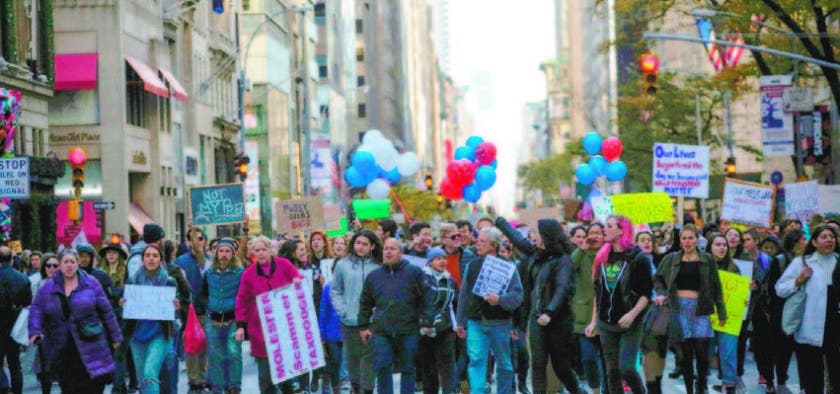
(379, 189)
(384, 153)
(372, 135)
(408, 163)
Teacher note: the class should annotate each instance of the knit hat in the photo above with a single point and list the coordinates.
(433, 253)
(153, 233)
(226, 241)
(86, 248)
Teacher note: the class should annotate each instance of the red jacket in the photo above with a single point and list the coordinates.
(255, 282)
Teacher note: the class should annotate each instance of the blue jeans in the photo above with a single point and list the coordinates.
(224, 354)
(481, 338)
(334, 355)
(727, 345)
(148, 360)
(385, 346)
(169, 372)
(590, 357)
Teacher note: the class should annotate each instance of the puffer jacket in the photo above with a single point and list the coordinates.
(396, 299)
(88, 303)
(346, 290)
(219, 289)
(444, 292)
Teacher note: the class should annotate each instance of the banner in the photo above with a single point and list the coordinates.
(736, 289)
(290, 329)
(149, 302)
(302, 215)
(217, 204)
(829, 197)
(681, 170)
(776, 125)
(332, 217)
(530, 216)
(644, 207)
(747, 203)
(494, 277)
(801, 200)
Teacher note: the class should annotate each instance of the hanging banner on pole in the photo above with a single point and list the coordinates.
(776, 124)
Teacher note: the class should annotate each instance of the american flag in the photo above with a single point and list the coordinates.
(707, 32)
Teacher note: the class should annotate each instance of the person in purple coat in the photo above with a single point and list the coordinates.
(74, 319)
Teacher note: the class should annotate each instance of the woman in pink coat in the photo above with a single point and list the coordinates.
(267, 274)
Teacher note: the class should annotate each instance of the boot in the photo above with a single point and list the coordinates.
(700, 386)
(653, 387)
(689, 385)
(523, 388)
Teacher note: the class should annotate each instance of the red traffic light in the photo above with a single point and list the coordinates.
(649, 63)
(77, 156)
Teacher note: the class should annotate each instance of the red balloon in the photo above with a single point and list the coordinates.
(612, 148)
(450, 191)
(460, 172)
(485, 153)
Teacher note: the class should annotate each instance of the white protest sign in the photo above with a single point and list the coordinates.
(149, 302)
(290, 329)
(747, 203)
(746, 269)
(327, 269)
(602, 207)
(801, 200)
(829, 197)
(494, 277)
(419, 262)
(681, 170)
(14, 178)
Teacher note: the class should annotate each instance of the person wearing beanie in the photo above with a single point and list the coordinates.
(153, 234)
(437, 348)
(87, 262)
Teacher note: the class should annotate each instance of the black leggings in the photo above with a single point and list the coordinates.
(553, 341)
(695, 348)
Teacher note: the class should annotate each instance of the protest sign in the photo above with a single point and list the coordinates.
(15, 246)
(736, 289)
(531, 216)
(14, 178)
(681, 170)
(644, 207)
(602, 207)
(829, 198)
(149, 302)
(327, 269)
(290, 330)
(302, 215)
(494, 277)
(747, 203)
(372, 209)
(801, 200)
(332, 217)
(217, 204)
(419, 262)
(745, 267)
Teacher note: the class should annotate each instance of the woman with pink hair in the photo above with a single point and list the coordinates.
(623, 288)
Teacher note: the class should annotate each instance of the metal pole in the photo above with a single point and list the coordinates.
(305, 122)
(699, 125)
(726, 99)
(241, 87)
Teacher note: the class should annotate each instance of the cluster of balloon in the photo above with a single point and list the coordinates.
(377, 165)
(472, 172)
(603, 160)
(9, 113)
(6, 214)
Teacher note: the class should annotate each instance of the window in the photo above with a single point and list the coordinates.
(362, 110)
(359, 28)
(360, 80)
(320, 9)
(134, 98)
(360, 54)
(165, 114)
(322, 71)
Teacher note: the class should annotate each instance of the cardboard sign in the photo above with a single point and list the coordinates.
(736, 289)
(644, 207)
(829, 197)
(290, 329)
(332, 217)
(801, 200)
(681, 170)
(302, 215)
(531, 216)
(16, 247)
(494, 277)
(217, 204)
(747, 203)
(149, 302)
(14, 178)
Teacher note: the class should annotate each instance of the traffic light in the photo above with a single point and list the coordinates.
(730, 166)
(429, 182)
(649, 66)
(240, 166)
(77, 158)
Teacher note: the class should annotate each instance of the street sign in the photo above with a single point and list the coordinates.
(103, 205)
(14, 178)
(798, 99)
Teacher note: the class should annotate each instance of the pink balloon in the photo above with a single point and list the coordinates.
(612, 148)
(450, 191)
(460, 172)
(485, 153)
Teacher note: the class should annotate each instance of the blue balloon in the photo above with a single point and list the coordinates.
(598, 164)
(616, 171)
(364, 162)
(585, 174)
(355, 178)
(485, 177)
(392, 176)
(592, 143)
(465, 152)
(474, 141)
(471, 193)
(494, 164)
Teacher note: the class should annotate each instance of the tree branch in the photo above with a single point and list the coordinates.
(796, 28)
(822, 29)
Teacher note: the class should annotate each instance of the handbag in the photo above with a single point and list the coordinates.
(794, 310)
(20, 331)
(90, 331)
(657, 320)
(195, 340)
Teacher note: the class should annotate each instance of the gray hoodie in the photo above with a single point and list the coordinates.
(346, 287)
(135, 259)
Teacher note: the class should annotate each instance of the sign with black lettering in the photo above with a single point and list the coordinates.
(14, 178)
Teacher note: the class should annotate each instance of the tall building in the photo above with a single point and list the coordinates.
(440, 34)
(421, 82)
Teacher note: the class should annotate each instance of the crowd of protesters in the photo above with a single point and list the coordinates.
(602, 302)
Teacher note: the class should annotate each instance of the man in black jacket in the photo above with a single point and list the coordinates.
(395, 304)
(15, 294)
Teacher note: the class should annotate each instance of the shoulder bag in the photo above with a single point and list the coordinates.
(794, 309)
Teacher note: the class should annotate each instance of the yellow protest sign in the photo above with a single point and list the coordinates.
(15, 246)
(644, 207)
(736, 289)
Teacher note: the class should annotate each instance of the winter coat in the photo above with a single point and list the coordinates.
(396, 299)
(582, 261)
(444, 293)
(103, 278)
(549, 285)
(135, 259)
(634, 282)
(473, 307)
(194, 272)
(15, 294)
(346, 290)
(162, 279)
(812, 330)
(88, 304)
(328, 320)
(710, 295)
(219, 289)
(255, 282)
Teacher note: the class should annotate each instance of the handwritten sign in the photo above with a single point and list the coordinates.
(15, 246)
(747, 203)
(736, 289)
(217, 204)
(602, 207)
(494, 277)
(531, 216)
(149, 302)
(829, 197)
(644, 207)
(332, 216)
(801, 200)
(303, 215)
(290, 329)
(419, 262)
(681, 170)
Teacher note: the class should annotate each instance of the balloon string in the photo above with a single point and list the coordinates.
(402, 209)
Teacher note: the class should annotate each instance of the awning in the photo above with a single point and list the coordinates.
(75, 71)
(138, 218)
(151, 82)
(178, 91)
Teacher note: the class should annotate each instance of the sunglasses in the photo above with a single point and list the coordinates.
(453, 237)
(51, 265)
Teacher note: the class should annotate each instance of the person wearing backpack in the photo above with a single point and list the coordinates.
(15, 294)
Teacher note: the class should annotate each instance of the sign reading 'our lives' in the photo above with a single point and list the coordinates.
(217, 204)
(681, 170)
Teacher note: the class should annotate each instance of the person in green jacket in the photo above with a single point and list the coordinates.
(590, 347)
